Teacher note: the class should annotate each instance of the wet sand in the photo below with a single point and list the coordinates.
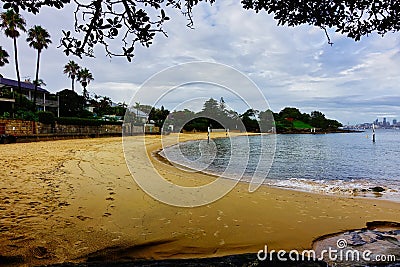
(70, 200)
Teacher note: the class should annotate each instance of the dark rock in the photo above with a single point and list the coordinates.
(377, 189)
(356, 240)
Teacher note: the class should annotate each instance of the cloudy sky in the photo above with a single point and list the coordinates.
(350, 81)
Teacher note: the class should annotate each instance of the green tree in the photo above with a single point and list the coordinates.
(71, 104)
(318, 120)
(39, 39)
(12, 23)
(72, 70)
(249, 120)
(158, 115)
(290, 113)
(102, 105)
(3, 57)
(266, 121)
(85, 77)
(211, 106)
(120, 109)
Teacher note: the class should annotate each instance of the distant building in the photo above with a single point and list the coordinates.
(384, 122)
(44, 99)
(394, 121)
(141, 117)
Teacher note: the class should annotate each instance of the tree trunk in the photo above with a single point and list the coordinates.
(17, 71)
(73, 82)
(85, 95)
(36, 80)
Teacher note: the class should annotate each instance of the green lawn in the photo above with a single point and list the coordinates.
(301, 125)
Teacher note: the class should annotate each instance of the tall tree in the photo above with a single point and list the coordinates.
(72, 69)
(71, 104)
(3, 57)
(12, 23)
(39, 39)
(85, 77)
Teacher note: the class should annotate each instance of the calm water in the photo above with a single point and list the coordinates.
(331, 163)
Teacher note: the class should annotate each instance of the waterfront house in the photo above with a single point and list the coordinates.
(44, 99)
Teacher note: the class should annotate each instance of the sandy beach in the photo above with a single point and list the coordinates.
(70, 200)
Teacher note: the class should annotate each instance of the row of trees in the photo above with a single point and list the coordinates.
(75, 105)
(13, 24)
(215, 115)
(83, 75)
(287, 116)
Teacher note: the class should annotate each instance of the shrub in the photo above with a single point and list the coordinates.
(86, 122)
(26, 115)
(46, 117)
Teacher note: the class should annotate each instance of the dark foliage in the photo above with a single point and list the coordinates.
(83, 121)
(158, 116)
(46, 117)
(71, 104)
(353, 18)
(131, 22)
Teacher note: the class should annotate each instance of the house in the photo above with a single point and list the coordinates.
(140, 116)
(44, 99)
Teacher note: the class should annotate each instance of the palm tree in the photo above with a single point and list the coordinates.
(39, 39)
(3, 57)
(72, 69)
(12, 23)
(39, 82)
(85, 76)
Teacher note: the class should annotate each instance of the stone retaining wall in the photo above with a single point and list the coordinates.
(32, 128)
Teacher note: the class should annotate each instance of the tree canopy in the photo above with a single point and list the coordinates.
(132, 22)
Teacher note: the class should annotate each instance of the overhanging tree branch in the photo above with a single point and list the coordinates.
(119, 25)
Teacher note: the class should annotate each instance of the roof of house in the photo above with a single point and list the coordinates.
(24, 85)
(139, 113)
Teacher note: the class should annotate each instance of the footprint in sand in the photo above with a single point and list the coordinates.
(106, 214)
(83, 218)
(77, 243)
(40, 252)
(110, 198)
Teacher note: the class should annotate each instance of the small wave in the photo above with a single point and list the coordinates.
(360, 175)
(356, 188)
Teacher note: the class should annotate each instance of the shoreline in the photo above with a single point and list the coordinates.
(365, 193)
(80, 199)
